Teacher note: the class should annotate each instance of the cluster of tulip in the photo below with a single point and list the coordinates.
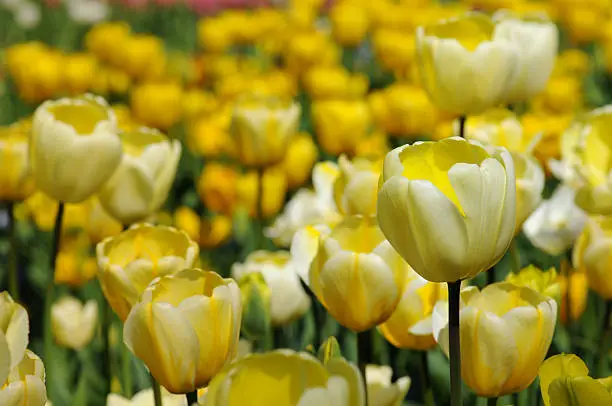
(202, 253)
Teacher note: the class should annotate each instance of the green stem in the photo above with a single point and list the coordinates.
(363, 353)
(259, 209)
(106, 350)
(13, 273)
(454, 291)
(605, 332)
(462, 120)
(428, 397)
(492, 401)
(491, 276)
(126, 371)
(278, 337)
(192, 398)
(156, 392)
(515, 255)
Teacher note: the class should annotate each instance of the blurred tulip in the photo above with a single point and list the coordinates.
(25, 385)
(498, 127)
(79, 69)
(530, 181)
(543, 282)
(141, 183)
(395, 49)
(349, 23)
(592, 253)
(74, 265)
(100, 224)
(308, 49)
(106, 39)
(143, 57)
(353, 271)
(87, 11)
(131, 260)
(209, 136)
(157, 104)
(486, 63)
(146, 398)
(340, 124)
(217, 188)
(273, 190)
(215, 231)
(288, 301)
(356, 189)
(256, 298)
(186, 219)
(16, 182)
(381, 392)
(451, 182)
(72, 323)
(74, 147)
(506, 331)
(301, 156)
(263, 130)
(169, 328)
(14, 328)
(253, 380)
(334, 82)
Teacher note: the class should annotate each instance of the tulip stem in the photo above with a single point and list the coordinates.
(491, 275)
(156, 392)
(364, 341)
(428, 397)
(259, 209)
(492, 401)
(126, 362)
(106, 351)
(454, 291)
(605, 332)
(515, 256)
(13, 273)
(462, 120)
(192, 398)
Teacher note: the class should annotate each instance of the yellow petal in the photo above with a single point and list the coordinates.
(559, 366)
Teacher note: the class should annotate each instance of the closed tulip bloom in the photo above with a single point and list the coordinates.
(530, 181)
(301, 156)
(350, 23)
(273, 190)
(288, 300)
(334, 82)
(286, 378)
(217, 188)
(74, 147)
(499, 127)
(340, 124)
(146, 398)
(356, 189)
(484, 66)
(505, 333)
(16, 182)
(140, 185)
(130, 261)
(185, 328)
(538, 44)
(263, 129)
(25, 385)
(15, 327)
(381, 392)
(353, 271)
(593, 252)
(448, 207)
(72, 323)
(578, 295)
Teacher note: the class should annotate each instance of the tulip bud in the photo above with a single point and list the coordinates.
(25, 385)
(340, 124)
(356, 189)
(349, 23)
(381, 392)
(256, 305)
(498, 127)
(329, 350)
(72, 323)
(16, 182)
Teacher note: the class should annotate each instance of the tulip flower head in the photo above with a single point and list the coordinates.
(592, 254)
(381, 392)
(72, 323)
(26, 383)
(530, 181)
(498, 127)
(356, 189)
(16, 182)
(448, 207)
(544, 282)
(14, 329)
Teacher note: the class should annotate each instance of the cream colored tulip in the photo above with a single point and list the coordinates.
(506, 331)
(538, 43)
(530, 181)
(263, 129)
(353, 271)
(593, 253)
(130, 261)
(72, 323)
(16, 182)
(356, 189)
(25, 385)
(15, 326)
(100, 224)
(145, 398)
(288, 300)
(254, 381)
(465, 68)
(381, 392)
(185, 328)
(498, 127)
(74, 147)
(448, 207)
(140, 185)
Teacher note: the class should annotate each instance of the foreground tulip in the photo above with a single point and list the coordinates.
(356, 189)
(140, 185)
(16, 182)
(15, 327)
(72, 323)
(565, 381)
(74, 147)
(505, 334)
(263, 130)
(288, 300)
(145, 398)
(530, 181)
(484, 66)
(592, 253)
(381, 392)
(286, 378)
(131, 260)
(185, 328)
(25, 385)
(448, 207)
(353, 271)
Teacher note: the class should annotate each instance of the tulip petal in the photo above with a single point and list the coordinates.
(304, 249)
(558, 366)
(17, 335)
(5, 358)
(316, 397)
(582, 390)
(340, 368)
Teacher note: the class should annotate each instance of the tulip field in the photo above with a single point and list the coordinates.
(305, 202)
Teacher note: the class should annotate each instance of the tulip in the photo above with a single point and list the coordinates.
(353, 271)
(217, 188)
(484, 64)
(72, 323)
(256, 298)
(145, 398)
(505, 333)
(105, 40)
(564, 381)
(381, 392)
(340, 124)
(185, 328)
(288, 300)
(215, 231)
(157, 104)
(272, 196)
(74, 265)
(556, 223)
(25, 385)
(14, 327)
(395, 49)
(100, 224)
(578, 294)
(131, 260)
(410, 324)
(543, 282)
(74, 147)
(188, 220)
(498, 127)
(538, 46)
(263, 130)
(334, 82)
(349, 23)
(356, 189)
(448, 207)
(140, 185)
(254, 381)
(530, 181)
(16, 182)
(592, 252)
(301, 156)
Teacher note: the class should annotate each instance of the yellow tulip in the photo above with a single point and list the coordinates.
(356, 189)
(543, 282)
(485, 65)
(578, 294)
(274, 189)
(456, 184)
(506, 331)
(131, 260)
(25, 385)
(410, 324)
(146, 398)
(263, 129)
(381, 392)
(530, 181)
(375, 146)
(340, 124)
(186, 219)
(72, 323)
(395, 49)
(349, 23)
(499, 127)
(592, 254)
(142, 181)
(14, 329)
(106, 39)
(301, 156)
(256, 297)
(209, 136)
(74, 147)
(215, 231)
(288, 301)
(564, 381)
(253, 381)
(157, 104)
(79, 72)
(74, 265)
(353, 271)
(16, 182)
(100, 224)
(334, 82)
(185, 328)
(143, 56)
(307, 49)
(584, 23)
(217, 188)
